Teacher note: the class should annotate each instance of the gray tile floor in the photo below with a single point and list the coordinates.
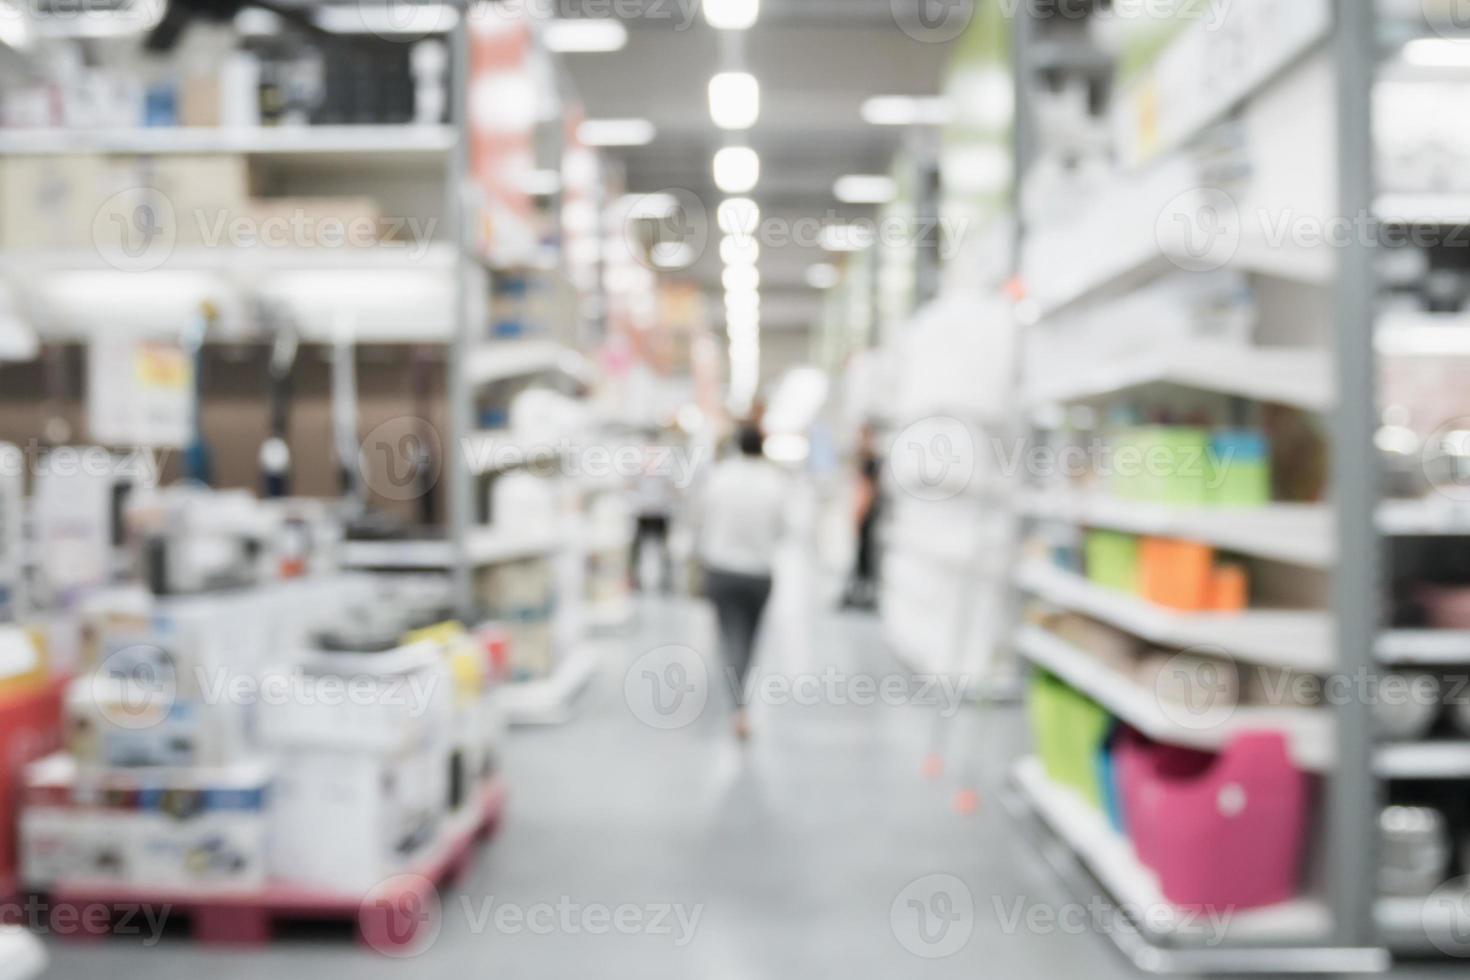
(798, 853)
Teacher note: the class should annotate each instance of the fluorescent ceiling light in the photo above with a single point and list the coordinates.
(739, 250)
(846, 238)
(865, 189)
(906, 110)
(589, 35)
(823, 275)
(741, 302)
(734, 100)
(540, 183)
(738, 215)
(741, 278)
(648, 207)
(616, 132)
(737, 169)
(387, 19)
(14, 29)
(1437, 53)
(732, 15)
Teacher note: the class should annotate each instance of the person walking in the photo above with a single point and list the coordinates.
(741, 520)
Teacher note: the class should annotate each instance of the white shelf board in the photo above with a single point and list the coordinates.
(276, 141)
(1424, 925)
(1430, 517)
(1301, 534)
(1109, 856)
(1424, 647)
(487, 546)
(22, 957)
(1308, 731)
(549, 701)
(1300, 378)
(1424, 207)
(505, 359)
(1423, 760)
(1412, 334)
(1296, 639)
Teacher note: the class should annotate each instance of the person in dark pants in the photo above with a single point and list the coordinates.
(862, 587)
(741, 518)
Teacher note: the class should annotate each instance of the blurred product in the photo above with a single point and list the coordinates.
(1415, 850)
(1407, 705)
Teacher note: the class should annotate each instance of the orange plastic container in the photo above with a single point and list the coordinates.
(1176, 574)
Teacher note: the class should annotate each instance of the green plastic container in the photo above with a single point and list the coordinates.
(1069, 730)
(1240, 469)
(1112, 560)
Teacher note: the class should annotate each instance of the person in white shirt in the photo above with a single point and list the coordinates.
(741, 519)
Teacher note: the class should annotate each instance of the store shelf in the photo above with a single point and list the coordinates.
(1436, 925)
(274, 141)
(22, 957)
(1299, 640)
(1430, 517)
(1309, 731)
(1434, 648)
(1109, 856)
(1424, 208)
(1287, 376)
(1300, 534)
(1423, 760)
(549, 701)
(503, 360)
(486, 546)
(1409, 334)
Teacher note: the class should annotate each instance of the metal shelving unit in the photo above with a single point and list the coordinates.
(1331, 928)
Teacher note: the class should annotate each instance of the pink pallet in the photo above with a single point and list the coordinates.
(390, 920)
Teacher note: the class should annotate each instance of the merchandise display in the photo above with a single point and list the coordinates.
(1040, 431)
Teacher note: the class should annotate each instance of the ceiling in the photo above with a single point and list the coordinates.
(817, 61)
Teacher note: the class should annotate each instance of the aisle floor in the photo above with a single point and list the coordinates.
(795, 856)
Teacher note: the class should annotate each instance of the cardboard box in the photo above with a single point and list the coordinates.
(196, 830)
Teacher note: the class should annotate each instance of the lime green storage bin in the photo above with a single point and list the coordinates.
(1112, 560)
(1164, 464)
(1240, 469)
(1069, 730)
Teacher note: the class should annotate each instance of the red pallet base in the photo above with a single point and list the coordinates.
(390, 918)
